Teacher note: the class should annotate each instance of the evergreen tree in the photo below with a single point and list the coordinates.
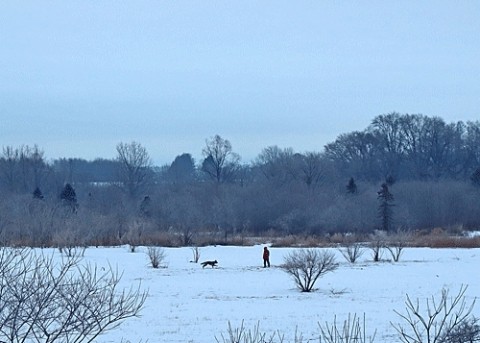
(385, 211)
(182, 169)
(351, 186)
(146, 207)
(475, 178)
(69, 197)
(37, 194)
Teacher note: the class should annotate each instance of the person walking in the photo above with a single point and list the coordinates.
(266, 257)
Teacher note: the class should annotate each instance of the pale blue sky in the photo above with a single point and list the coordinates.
(78, 77)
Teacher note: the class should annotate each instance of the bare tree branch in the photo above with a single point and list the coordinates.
(307, 265)
(442, 317)
(44, 301)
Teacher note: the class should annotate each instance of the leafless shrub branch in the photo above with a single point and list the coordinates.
(352, 331)
(196, 254)
(397, 243)
(242, 335)
(376, 245)
(157, 256)
(441, 318)
(352, 251)
(42, 300)
(307, 265)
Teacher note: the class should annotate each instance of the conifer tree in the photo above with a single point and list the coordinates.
(69, 197)
(351, 186)
(146, 207)
(475, 178)
(37, 193)
(385, 211)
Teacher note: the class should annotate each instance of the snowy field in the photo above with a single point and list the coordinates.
(189, 304)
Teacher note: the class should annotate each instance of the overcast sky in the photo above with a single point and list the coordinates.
(79, 77)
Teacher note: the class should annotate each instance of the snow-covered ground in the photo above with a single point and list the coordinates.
(188, 303)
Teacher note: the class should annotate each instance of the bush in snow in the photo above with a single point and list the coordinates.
(244, 335)
(352, 331)
(443, 319)
(396, 243)
(307, 265)
(467, 332)
(352, 251)
(157, 256)
(42, 300)
(376, 245)
(196, 254)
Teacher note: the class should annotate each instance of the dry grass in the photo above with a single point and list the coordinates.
(433, 241)
(436, 238)
(300, 241)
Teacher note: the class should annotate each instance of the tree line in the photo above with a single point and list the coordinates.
(409, 172)
(409, 147)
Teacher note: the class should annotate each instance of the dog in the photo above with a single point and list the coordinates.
(209, 263)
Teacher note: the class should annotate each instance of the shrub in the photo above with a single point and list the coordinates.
(157, 256)
(352, 251)
(196, 254)
(242, 335)
(352, 331)
(467, 332)
(307, 265)
(446, 320)
(443, 318)
(396, 243)
(45, 301)
(376, 245)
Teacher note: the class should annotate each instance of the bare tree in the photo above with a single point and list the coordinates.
(69, 301)
(36, 163)
(441, 318)
(390, 141)
(277, 165)
(307, 265)
(9, 167)
(353, 154)
(312, 167)
(220, 162)
(22, 169)
(135, 167)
